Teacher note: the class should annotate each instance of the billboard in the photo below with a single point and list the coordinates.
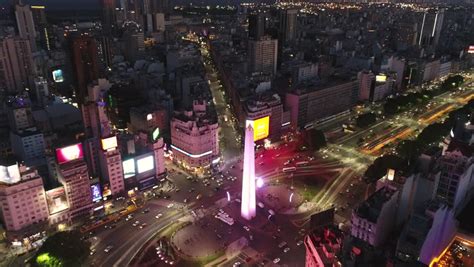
(66, 154)
(260, 127)
(145, 164)
(128, 168)
(109, 143)
(96, 194)
(381, 78)
(56, 199)
(10, 174)
(155, 134)
(58, 76)
(470, 50)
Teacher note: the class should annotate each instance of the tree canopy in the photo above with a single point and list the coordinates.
(63, 249)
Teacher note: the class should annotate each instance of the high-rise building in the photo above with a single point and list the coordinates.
(262, 55)
(111, 165)
(430, 28)
(28, 145)
(94, 117)
(16, 64)
(159, 6)
(194, 137)
(26, 24)
(288, 25)
(366, 84)
(74, 176)
(374, 219)
(248, 202)
(18, 109)
(108, 15)
(256, 26)
(85, 64)
(451, 166)
(104, 50)
(22, 197)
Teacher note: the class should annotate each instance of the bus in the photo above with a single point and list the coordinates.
(289, 169)
(302, 163)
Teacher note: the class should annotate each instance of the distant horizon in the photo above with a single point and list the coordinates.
(94, 4)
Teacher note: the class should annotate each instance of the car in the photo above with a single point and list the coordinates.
(286, 249)
(260, 204)
(198, 197)
(136, 223)
(276, 260)
(282, 244)
(299, 243)
(185, 200)
(236, 264)
(108, 248)
(145, 211)
(170, 205)
(92, 252)
(246, 228)
(158, 215)
(143, 225)
(129, 217)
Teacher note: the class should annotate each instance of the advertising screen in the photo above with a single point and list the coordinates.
(58, 76)
(69, 153)
(109, 143)
(10, 174)
(96, 194)
(471, 49)
(145, 164)
(381, 78)
(155, 134)
(128, 168)
(260, 127)
(56, 199)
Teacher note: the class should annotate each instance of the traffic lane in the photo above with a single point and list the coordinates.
(130, 242)
(123, 230)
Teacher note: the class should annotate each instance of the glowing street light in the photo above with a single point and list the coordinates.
(260, 183)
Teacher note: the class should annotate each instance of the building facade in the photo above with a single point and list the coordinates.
(262, 55)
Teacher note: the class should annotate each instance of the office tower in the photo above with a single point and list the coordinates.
(262, 55)
(256, 26)
(288, 25)
(104, 51)
(85, 64)
(430, 28)
(159, 6)
(28, 145)
(22, 197)
(25, 24)
(108, 15)
(41, 91)
(134, 44)
(18, 109)
(111, 165)
(16, 64)
(248, 203)
(41, 26)
(159, 22)
(74, 176)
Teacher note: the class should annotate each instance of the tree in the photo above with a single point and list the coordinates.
(409, 150)
(366, 119)
(315, 138)
(62, 249)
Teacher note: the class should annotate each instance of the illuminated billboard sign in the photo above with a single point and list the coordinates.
(470, 50)
(96, 194)
(56, 199)
(10, 174)
(260, 127)
(109, 143)
(58, 76)
(155, 134)
(145, 164)
(128, 168)
(381, 78)
(69, 153)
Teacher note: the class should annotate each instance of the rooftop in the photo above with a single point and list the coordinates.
(371, 208)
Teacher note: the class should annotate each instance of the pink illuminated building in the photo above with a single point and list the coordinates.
(22, 197)
(194, 137)
(247, 209)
